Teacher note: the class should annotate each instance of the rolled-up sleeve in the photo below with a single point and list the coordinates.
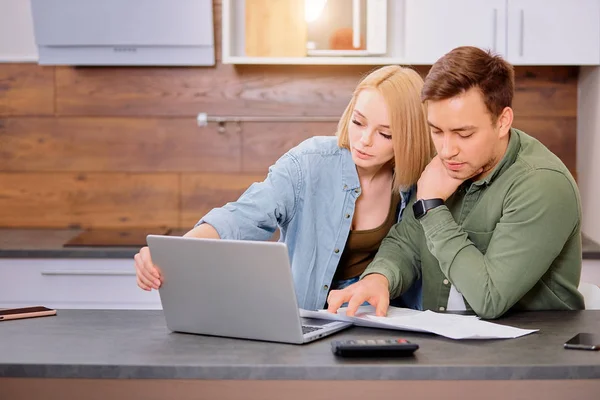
(263, 206)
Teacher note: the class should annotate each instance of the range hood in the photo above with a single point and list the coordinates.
(124, 32)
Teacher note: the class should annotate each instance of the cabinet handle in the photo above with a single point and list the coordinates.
(494, 29)
(88, 273)
(356, 24)
(522, 35)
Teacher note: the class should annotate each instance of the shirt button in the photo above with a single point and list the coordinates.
(347, 215)
(356, 190)
(336, 251)
(442, 308)
(325, 287)
(446, 281)
(345, 186)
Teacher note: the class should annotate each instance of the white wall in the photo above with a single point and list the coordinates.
(588, 149)
(17, 42)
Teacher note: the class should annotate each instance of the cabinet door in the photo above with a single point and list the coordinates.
(553, 32)
(73, 283)
(434, 27)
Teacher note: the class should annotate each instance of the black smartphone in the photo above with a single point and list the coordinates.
(25, 312)
(584, 341)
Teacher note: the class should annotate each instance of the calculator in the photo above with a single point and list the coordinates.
(373, 348)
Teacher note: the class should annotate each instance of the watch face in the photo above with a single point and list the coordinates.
(419, 209)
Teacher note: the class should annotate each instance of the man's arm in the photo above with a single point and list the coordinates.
(394, 269)
(540, 213)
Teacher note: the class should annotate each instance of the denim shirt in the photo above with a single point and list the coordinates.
(310, 194)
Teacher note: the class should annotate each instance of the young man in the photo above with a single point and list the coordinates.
(495, 223)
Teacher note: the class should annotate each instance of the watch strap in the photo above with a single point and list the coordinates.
(422, 206)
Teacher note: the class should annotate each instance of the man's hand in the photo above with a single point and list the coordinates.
(435, 181)
(372, 288)
(148, 275)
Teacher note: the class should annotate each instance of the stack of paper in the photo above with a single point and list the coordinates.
(452, 326)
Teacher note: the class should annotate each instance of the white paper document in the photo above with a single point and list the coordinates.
(452, 326)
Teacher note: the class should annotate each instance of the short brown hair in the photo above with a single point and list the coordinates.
(413, 148)
(470, 67)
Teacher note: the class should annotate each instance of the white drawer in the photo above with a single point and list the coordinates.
(590, 271)
(73, 283)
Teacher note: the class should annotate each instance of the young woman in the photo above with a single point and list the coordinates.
(334, 198)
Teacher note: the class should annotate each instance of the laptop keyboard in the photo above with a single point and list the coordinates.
(309, 329)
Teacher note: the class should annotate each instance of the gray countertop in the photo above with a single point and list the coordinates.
(48, 243)
(123, 344)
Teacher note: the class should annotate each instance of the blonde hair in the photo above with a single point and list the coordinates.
(413, 148)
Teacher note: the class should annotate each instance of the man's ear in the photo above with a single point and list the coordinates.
(505, 121)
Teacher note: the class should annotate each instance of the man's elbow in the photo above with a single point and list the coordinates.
(490, 311)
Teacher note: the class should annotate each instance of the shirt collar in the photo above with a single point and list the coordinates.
(349, 175)
(512, 151)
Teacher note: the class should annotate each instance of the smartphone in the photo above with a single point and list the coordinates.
(25, 312)
(584, 341)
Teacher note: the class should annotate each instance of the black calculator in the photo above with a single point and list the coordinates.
(373, 348)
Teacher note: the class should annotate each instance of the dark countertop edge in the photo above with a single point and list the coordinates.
(590, 251)
(341, 372)
(105, 252)
(591, 255)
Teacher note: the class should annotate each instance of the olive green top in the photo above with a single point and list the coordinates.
(361, 246)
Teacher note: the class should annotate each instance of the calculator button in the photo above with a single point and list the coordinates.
(401, 341)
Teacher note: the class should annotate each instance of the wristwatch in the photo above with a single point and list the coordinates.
(420, 207)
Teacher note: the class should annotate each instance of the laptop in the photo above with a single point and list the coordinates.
(233, 288)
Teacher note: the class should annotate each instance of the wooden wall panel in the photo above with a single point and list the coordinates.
(558, 134)
(86, 200)
(115, 147)
(200, 193)
(225, 90)
(545, 102)
(545, 75)
(116, 144)
(26, 89)
(264, 143)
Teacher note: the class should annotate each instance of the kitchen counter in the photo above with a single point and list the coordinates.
(125, 345)
(48, 243)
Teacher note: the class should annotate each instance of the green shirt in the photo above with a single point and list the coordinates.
(511, 240)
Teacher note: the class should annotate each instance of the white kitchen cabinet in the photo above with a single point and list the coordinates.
(434, 27)
(553, 32)
(590, 271)
(17, 43)
(525, 32)
(73, 283)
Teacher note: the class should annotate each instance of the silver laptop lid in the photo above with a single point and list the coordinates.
(232, 288)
